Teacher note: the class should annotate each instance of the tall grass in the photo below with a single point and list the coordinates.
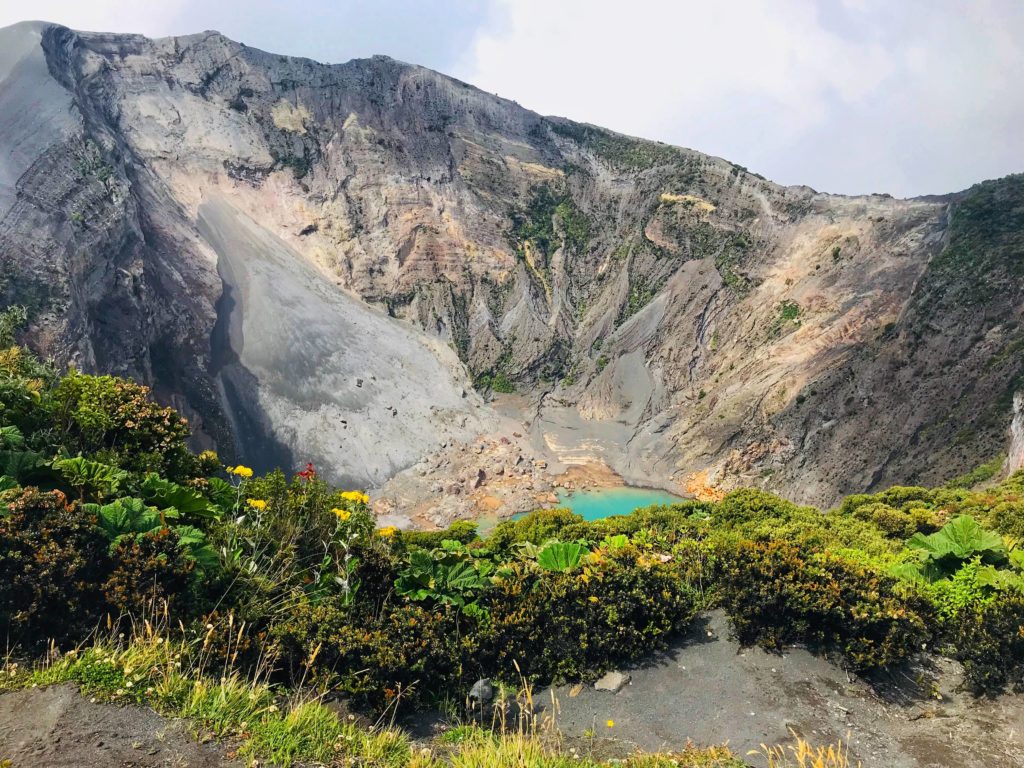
(186, 677)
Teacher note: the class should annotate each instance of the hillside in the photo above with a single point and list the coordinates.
(304, 258)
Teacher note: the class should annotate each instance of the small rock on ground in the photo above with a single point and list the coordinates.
(613, 681)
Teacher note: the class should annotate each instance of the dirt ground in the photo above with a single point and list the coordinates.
(57, 727)
(706, 689)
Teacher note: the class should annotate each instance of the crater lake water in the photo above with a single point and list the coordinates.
(605, 502)
(596, 503)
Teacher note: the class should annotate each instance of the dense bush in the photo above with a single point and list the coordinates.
(60, 575)
(53, 563)
(777, 595)
(987, 637)
(1000, 507)
(116, 421)
(414, 651)
(577, 624)
(535, 528)
(462, 531)
(546, 625)
(151, 573)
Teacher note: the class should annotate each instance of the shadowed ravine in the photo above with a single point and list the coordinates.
(255, 444)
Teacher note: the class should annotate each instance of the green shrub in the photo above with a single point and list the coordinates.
(116, 421)
(898, 523)
(151, 570)
(777, 595)
(761, 516)
(965, 590)
(463, 531)
(536, 528)
(53, 563)
(408, 650)
(987, 637)
(571, 625)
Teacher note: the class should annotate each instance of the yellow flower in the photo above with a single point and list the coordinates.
(241, 471)
(343, 514)
(357, 496)
(610, 723)
(387, 533)
(259, 504)
(593, 599)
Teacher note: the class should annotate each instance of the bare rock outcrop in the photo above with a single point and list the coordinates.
(666, 312)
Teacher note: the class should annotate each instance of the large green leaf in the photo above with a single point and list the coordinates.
(560, 555)
(1017, 559)
(11, 437)
(164, 494)
(125, 516)
(908, 572)
(94, 477)
(448, 580)
(21, 465)
(221, 492)
(961, 539)
(194, 542)
(614, 543)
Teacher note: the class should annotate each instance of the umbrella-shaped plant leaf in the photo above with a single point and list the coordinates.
(560, 555)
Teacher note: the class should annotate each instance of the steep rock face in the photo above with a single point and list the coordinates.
(664, 310)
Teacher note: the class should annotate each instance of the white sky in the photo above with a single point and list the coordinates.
(901, 96)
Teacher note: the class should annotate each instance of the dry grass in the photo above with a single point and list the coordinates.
(803, 755)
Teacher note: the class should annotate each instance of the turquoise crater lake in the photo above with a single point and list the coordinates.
(599, 503)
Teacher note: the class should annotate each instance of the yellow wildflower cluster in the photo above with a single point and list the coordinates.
(357, 496)
(258, 504)
(240, 471)
(387, 533)
(343, 514)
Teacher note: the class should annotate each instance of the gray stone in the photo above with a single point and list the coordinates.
(482, 691)
(613, 681)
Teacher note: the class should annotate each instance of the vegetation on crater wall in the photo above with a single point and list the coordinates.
(985, 251)
(623, 152)
(536, 223)
(788, 316)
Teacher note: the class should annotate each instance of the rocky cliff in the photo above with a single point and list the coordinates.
(320, 261)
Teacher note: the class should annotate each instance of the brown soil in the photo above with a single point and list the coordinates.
(57, 727)
(592, 474)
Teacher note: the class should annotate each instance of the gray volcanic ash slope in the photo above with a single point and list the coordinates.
(303, 364)
(666, 311)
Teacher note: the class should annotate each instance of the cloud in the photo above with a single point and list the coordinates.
(862, 96)
(151, 19)
(433, 33)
